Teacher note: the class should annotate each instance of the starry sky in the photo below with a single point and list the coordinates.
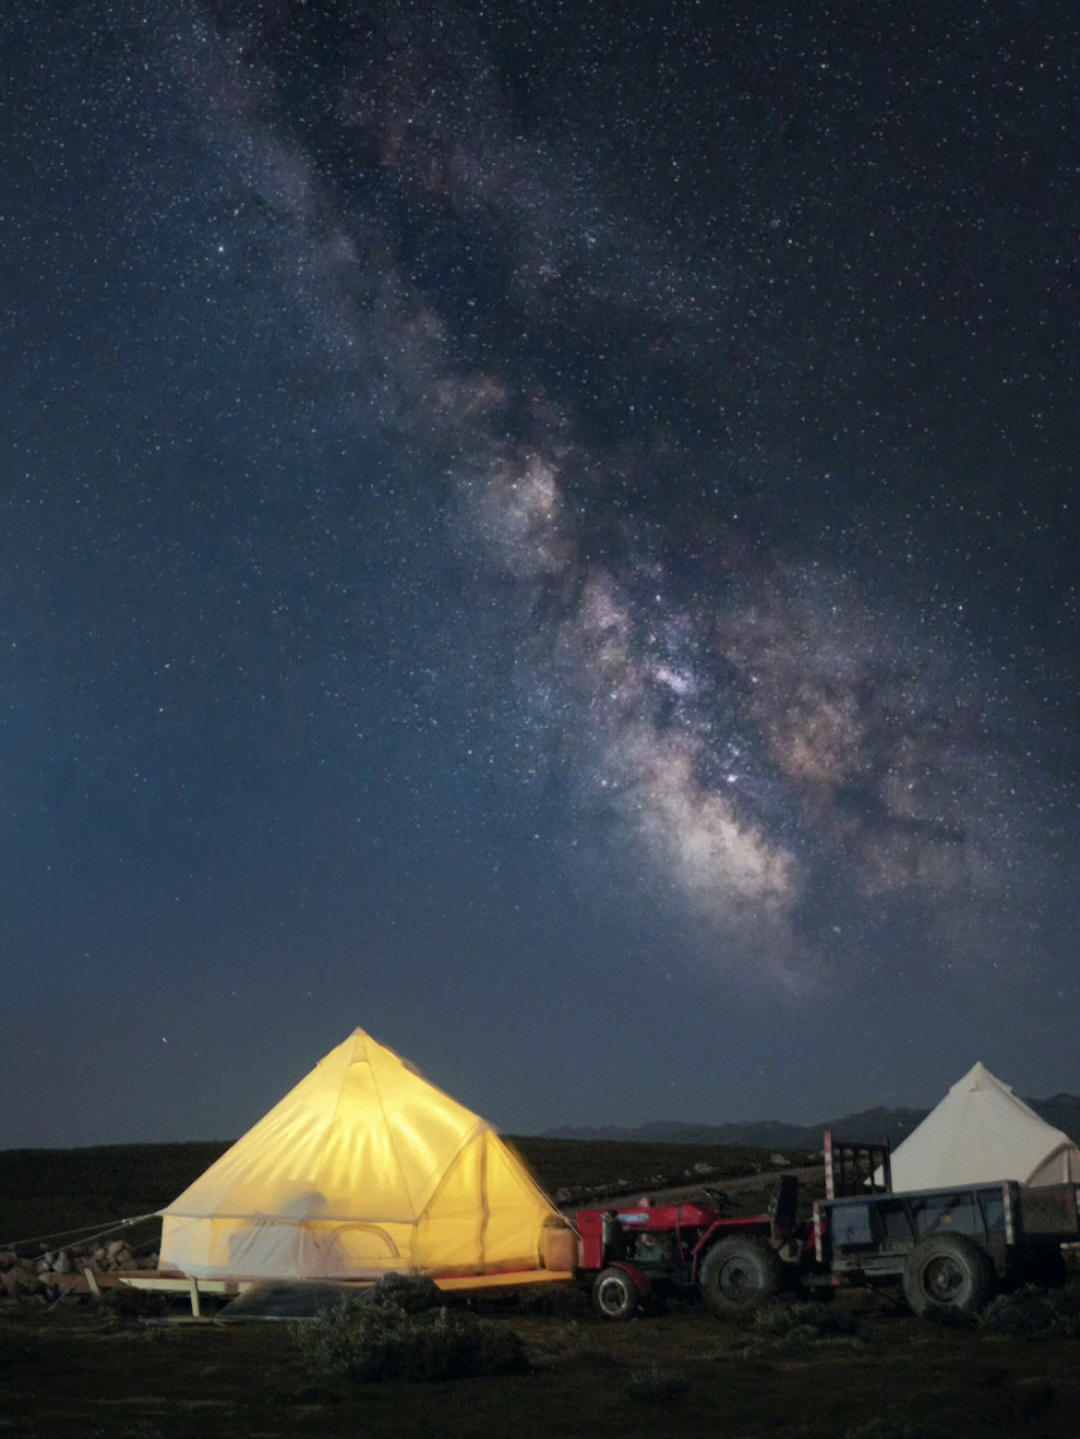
(546, 532)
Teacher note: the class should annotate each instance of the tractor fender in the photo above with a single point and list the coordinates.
(641, 1280)
(759, 1230)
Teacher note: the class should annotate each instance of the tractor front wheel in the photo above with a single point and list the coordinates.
(738, 1275)
(615, 1295)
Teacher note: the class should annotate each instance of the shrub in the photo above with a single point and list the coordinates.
(803, 1323)
(891, 1426)
(1033, 1313)
(655, 1386)
(1031, 1397)
(947, 1316)
(555, 1300)
(412, 1293)
(380, 1338)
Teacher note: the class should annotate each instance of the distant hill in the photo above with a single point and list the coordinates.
(868, 1125)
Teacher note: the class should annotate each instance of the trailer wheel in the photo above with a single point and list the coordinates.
(615, 1295)
(950, 1271)
(738, 1275)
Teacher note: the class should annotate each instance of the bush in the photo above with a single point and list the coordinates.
(1033, 1313)
(559, 1301)
(411, 1292)
(655, 1386)
(803, 1323)
(947, 1316)
(891, 1426)
(381, 1338)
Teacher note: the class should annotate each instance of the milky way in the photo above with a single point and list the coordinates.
(788, 753)
(558, 516)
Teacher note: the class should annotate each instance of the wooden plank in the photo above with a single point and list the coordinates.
(154, 1281)
(510, 1280)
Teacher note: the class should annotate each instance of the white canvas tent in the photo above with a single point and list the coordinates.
(982, 1132)
(363, 1169)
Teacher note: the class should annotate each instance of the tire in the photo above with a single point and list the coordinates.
(615, 1295)
(949, 1272)
(738, 1276)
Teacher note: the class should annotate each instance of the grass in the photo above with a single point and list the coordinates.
(854, 1369)
(805, 1323)
(363, 1343)
(655, 1386)
(44, 1191)
(1033, 1314)
(396, 1374)
(405, 1331)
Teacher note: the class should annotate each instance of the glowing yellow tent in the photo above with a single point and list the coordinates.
(363, 1169)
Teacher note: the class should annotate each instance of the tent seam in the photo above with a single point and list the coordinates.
(390, 1136)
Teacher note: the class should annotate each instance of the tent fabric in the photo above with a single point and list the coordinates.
(981, 1132)
(363, 1169)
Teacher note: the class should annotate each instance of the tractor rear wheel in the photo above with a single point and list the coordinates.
(951, 1272)
(615, 1295)
(738, 1275)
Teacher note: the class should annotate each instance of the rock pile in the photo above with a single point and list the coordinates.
(23, 1277)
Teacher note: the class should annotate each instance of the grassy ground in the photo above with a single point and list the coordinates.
(80, 1369)
(82, 1372)
(43, 1191)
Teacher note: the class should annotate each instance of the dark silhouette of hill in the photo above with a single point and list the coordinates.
(867, 1125)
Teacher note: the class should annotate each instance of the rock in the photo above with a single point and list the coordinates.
(779, 1161)
(702, 1168)
(8, 1257)
(114, 1246)
(18, 1281)
(63, 1263)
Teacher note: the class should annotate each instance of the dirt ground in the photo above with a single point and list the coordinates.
(78, 1370)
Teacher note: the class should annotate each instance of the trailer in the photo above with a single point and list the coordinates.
(946, 1248)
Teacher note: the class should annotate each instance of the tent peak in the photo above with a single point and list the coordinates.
(983, 1131)
(979, 1078)
(363, 1168)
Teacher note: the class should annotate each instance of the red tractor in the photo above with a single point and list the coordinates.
(646, 1249)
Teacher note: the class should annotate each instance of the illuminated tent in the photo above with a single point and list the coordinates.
(981, 1132)
(363, 1169)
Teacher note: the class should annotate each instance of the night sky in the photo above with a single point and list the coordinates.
(547, 532)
